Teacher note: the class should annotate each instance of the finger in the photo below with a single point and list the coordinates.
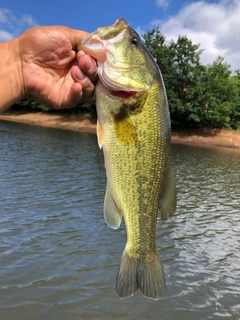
(86, 83)
(88, 65)
(75, 95)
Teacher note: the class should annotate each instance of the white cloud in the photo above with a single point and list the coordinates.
(162, 3)
(10, 26)
(215, 26)
(27, 20)
(5, 36)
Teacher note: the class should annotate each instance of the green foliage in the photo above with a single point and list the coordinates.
(33, 105)
(84, 107)
(218, 92)
(198, 95)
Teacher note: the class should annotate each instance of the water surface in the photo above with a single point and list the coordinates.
(58, 258)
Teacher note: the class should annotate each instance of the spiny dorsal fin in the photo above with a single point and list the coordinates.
(112, 215)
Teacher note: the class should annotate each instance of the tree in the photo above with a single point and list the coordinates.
(198, 95)
(221, 94)
(235, 116)
(186, 74)
(181, 69)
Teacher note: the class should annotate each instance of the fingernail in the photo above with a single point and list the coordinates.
(88, 63)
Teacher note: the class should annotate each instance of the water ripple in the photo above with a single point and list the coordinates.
(59, 259)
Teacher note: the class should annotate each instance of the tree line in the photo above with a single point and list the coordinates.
(198, 95)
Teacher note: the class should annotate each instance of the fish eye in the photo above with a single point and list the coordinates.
(134, 41)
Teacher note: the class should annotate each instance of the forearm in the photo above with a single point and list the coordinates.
(10, 74)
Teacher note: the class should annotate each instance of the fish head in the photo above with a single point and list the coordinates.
(123, 60)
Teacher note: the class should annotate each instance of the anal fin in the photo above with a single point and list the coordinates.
(112, 215)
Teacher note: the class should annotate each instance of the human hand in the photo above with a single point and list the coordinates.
(53, 73)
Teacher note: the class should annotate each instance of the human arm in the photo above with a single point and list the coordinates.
(42, 65)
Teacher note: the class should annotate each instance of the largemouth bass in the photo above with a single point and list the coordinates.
(134, 131)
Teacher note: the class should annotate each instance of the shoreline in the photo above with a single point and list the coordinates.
(192, 136)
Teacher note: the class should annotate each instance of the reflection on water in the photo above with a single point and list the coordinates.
(59, 259)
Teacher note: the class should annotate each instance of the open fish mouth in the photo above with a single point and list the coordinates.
(122, 94)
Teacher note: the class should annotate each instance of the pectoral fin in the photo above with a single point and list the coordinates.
(168, 206)
(112, 215)
(125, 131)
(99, 134)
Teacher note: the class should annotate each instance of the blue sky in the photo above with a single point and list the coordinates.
(213, 24)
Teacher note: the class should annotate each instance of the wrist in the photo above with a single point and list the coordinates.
(11, 88)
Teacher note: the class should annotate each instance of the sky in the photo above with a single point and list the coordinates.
(214, 24)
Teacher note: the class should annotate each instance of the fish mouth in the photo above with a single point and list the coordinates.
(122, 94)
(95, 43)
(111, 32)
(115, 80)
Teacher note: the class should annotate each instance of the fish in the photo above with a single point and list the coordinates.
(134, 131)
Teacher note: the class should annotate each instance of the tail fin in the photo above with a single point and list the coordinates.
(136, 275)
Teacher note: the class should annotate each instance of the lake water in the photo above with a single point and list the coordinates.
(58, 258)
